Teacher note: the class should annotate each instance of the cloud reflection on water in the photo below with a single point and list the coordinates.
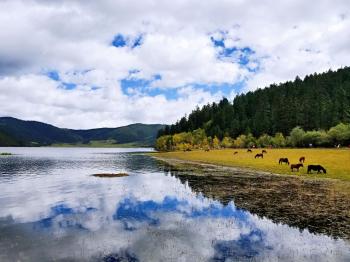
(64, 213)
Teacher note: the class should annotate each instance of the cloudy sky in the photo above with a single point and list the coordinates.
(84, 64)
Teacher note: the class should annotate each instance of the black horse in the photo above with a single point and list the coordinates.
(317, 168)
(302, 159)
(296, 166)
(283, 160)
(259, 155)
(249, 151)
(264, 151)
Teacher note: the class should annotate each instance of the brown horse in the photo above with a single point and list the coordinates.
(259, 155)
(264, 151)
(249, 151)
(302, 159)
(235, 153)
(296, 166)
(207, 150)
(317, 168)
(283, 160)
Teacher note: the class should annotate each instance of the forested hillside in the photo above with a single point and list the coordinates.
(16, 132)
(319, 101)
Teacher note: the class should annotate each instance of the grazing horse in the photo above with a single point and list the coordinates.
(317, 168)
(283, 160)
(249, 151)
(302, 159)
(296, 166)
(235, 153)
(264, 151)
(207, 150)
(259, 155)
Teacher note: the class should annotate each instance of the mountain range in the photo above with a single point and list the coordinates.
(16, 132)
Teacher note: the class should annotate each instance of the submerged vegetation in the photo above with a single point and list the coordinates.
(110, 175)
(5, 154)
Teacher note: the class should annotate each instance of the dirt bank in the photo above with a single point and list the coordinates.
(319, 205)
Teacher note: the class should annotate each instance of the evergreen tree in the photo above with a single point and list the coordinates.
(319, 101)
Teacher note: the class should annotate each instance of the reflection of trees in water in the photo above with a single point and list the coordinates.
(307, 204)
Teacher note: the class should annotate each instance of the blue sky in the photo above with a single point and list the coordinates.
(118, 59)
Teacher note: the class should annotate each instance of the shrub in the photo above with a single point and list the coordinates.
(296, 136)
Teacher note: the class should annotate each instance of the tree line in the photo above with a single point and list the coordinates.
(319, 101)
(197, 139)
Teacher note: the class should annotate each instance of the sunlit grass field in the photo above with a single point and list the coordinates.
(336, 161)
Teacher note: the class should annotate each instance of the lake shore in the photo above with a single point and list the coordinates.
(321, 206)
(336, 161)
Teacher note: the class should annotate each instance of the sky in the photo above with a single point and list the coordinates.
(109, 63)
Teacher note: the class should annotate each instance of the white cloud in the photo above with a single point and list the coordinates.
(288, 39)
(37, 97)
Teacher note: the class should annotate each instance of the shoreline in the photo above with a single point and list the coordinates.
(240, 169)
(320, 205)
(333, 160)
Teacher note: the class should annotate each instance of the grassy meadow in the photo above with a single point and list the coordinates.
(336, 161)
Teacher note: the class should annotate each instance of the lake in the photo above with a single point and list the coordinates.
(52, 209)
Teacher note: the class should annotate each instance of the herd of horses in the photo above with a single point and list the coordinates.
(293, 167)
(285, 160)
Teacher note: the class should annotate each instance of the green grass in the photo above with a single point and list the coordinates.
(336, 161)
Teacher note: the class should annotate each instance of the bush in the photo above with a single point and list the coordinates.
(296, 136)
(340, 134)
(250, 140)
(279, 140)
(216, 143)
(164, 143)
(240, 141)
(316, 138)
(227, 142)
(265, 140)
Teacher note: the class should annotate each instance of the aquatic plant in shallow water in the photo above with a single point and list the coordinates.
(5, 154)
(110, 175)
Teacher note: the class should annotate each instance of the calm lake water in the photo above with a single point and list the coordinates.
(51, 209)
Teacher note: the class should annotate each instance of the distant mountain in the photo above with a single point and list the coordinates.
(135, 133)
(16, 132)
